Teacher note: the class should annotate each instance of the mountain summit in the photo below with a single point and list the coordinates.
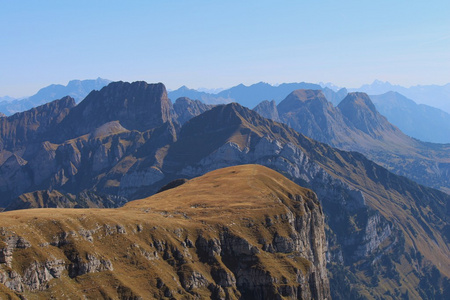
(138, 105)
(361, 112)
(309, 112)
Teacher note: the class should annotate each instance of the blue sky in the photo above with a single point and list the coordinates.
(223, 43)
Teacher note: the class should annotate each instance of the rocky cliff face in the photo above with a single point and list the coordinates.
(268, 110)
(176, 244)
(309, 112)
(28, 127)
(71, 149)
(361, 112)
(91, 160)
(136, 106)
(186, 109)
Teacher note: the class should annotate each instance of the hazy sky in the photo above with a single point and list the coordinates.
(223, 43)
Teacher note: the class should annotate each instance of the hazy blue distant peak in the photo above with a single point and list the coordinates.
(99, 82)
(210, 91)
(376, 87)
(248, 96)
(330, 85)
(380, 82)
(420, 121)
(77, 89)
(7, 99)
(184, 88)
(433, 95)
(394, 97)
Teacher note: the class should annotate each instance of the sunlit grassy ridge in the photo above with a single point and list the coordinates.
(154, 244)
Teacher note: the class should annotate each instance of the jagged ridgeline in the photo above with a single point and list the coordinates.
(356, 125)
(387, 235)
(239, 232)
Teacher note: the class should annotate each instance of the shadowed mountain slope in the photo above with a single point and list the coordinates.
(241, 232)
(30, 126)
(90, 146)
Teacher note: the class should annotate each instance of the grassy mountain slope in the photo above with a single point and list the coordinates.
(238, 232)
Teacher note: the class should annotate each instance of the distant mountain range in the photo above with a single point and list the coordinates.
(6, 98)
(420, 121)
(127, 140)
(250, 96)
(433, 95)
(77, 89)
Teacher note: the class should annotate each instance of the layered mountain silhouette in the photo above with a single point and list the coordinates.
(77, 89)
(250, 96)
(7, 98)
(126, 141)
(420, 121)
(434, 95)
(356, 125)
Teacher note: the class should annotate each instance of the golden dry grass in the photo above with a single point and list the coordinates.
(237, 198)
